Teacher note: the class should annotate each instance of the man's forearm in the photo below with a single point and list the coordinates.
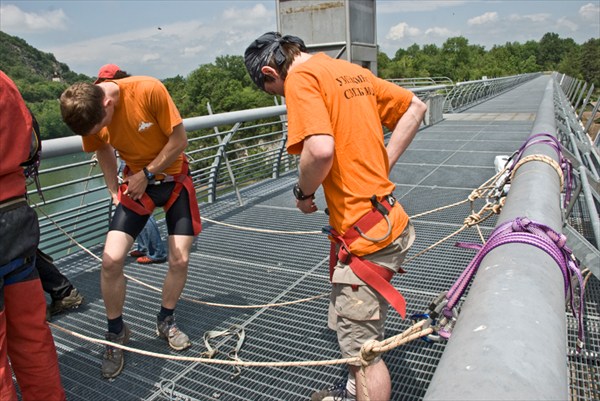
(108, 163)
(405, 130)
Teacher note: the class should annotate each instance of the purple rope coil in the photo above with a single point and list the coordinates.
(524, 231)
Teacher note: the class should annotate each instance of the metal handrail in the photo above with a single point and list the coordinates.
(467, 94)
(250, 144)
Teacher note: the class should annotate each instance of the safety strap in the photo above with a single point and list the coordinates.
(377, 277)
(525, 231)
(17, 269)
(234, 330)
(145, 205)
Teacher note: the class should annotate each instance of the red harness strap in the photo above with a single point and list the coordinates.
(145, 205)
(377, 277)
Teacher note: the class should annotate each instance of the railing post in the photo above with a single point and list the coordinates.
(227, 164)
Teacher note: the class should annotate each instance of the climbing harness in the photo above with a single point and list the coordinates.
(145, 205)
(17, 269)
(377, 277)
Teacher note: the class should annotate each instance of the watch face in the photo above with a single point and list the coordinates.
(149, 176)
(298, 192)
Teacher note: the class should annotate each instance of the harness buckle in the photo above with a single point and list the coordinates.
(327, 230)
(377, 205)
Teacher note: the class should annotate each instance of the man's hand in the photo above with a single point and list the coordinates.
(307, 205)
(136, 185)
(115, 199)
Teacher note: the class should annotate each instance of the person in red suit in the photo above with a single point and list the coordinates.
(26, 342)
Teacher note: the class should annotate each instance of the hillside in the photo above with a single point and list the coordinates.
(41, 79)
(21, 61)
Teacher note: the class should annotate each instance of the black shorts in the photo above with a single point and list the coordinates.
(178, 217)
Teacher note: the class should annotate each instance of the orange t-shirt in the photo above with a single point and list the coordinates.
(141, 125)
(344, 100)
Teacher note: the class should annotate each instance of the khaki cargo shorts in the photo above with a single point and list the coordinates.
(358, 314)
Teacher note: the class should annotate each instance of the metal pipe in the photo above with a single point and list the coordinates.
(196, 123)
(510, 339)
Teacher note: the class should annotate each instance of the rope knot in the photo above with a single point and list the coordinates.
(520, 224)
(472, 219)
(474, 195)
(367, 355)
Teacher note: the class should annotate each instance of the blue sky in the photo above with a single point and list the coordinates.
(169, 38)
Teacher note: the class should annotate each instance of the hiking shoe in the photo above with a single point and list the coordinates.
(73, 300)
(168, 330)
(145, 260)
(136, 254)
(336, 392)
(113, 359)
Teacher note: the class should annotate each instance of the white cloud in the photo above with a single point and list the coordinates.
(150, 57)
(590, 12)
(193, 51)
(541, 17)
(441, 32)
(484, 18)
(177, 48)
(566, 23)
(413, 6)
(238, 15)
(13, 19)
(401, 31)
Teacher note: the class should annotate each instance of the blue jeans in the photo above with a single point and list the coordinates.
(150, 242)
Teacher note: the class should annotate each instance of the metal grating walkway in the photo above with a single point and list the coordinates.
(442, 166)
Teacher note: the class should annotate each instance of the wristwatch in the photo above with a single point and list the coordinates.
(149, 176)
(299, 194)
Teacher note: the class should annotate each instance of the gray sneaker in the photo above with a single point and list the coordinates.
(113, 359)
(168, 330)
(73, 300)
(336, 392)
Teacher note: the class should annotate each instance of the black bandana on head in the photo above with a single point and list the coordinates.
(262, 49)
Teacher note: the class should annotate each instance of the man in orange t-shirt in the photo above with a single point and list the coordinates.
(137, 117)
(336, 111)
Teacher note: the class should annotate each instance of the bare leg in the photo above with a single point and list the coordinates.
(378, 383)
(179, 256)
(112, 279)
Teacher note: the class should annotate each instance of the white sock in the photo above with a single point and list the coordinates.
(351, 384)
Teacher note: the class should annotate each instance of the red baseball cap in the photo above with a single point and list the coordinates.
(107, 71)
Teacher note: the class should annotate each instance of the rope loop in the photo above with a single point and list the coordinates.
(541, 158)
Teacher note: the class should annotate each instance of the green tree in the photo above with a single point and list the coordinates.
(590, 61)
(552, 50)
(47, 114)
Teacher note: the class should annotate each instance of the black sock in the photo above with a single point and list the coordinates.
(164, 313)
(115, 325)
